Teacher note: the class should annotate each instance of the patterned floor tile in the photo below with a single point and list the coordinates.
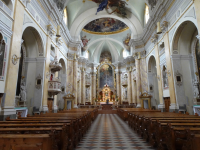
(109, 132)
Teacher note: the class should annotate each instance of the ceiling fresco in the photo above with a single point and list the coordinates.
(105, 26)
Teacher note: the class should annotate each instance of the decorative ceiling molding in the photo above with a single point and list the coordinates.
(105, 33)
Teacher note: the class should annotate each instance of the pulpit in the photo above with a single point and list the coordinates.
(68, 97)
(145, 97)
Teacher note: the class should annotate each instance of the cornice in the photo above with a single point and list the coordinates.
(54, 17)
(150, 27)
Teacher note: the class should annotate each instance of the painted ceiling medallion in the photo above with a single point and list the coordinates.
(105, 26)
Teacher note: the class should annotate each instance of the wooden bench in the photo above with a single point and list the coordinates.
(28, 141)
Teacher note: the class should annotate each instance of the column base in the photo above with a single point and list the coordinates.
(55, 108)
(44, 108)
(138, 106)
(173, 107)
(161, 107)
(75, 106)
(8, 111)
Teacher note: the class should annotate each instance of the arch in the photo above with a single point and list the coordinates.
(31, 67)
(177, 29)
(9, 4)
(97, 52)
(31, 30)
(152, 81)
(133, 23)
(150, 61)
(62, 61)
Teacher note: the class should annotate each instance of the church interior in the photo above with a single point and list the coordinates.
(99, 74)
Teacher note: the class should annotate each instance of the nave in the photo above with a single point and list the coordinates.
(109, 132)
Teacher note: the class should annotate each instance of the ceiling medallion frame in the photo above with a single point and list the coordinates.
(105, 33)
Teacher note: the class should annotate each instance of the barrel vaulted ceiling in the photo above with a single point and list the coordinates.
(82, 12)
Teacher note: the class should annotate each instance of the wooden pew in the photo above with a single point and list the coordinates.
(28, 141)
(177, 137)
(76, 124)
(192, 141)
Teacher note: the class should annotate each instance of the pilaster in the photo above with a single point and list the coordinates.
(170, 72)
(138, 83)
(197, 9)
(44, 107)
(160, 88)
(15, 48)
(83, 86)
(75, 79)
(118, 78)
(129, 86)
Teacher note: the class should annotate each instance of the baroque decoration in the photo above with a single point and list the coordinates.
(105, 26)
(118, 6)
(126, 42)
(85, 42)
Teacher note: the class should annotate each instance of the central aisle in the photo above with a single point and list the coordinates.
(109, 132)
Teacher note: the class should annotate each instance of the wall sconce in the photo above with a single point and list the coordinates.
(169, 73)
(159, 31)
(161, 28)
(58, 31)
(15, 59)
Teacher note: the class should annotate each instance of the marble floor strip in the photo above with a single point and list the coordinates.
(109, 132)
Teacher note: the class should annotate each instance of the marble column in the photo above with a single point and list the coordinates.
(170, 74)
(80, 89)
(197, 9)
(83, 86)
(44, 107)
(94, 80)
(15, 48)
(75, 81)
(133, 83)
(138, 81)
(129, 87)
(160, 87)
(118, 86)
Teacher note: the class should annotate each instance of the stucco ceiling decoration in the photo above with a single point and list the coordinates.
(116, 6)
(60, 4)
(105, 26)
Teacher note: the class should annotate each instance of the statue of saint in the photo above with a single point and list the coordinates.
(23, 92)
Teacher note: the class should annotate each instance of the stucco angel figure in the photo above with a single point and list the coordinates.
(196, 88)
(85, 42)
(126, 41)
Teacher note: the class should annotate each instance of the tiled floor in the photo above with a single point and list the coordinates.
(109, 132)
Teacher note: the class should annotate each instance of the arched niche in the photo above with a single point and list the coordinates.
(3, 49)
(153, 81)
(31, 68)
(63, 78)
(184, 64)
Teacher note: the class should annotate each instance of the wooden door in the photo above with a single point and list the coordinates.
(167, 103)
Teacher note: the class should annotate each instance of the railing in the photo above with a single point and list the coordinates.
(5, 8)
(54, 87)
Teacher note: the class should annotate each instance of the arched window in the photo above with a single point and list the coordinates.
(125, 53)
(87, 54)
(146, 13)
(65, 15)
